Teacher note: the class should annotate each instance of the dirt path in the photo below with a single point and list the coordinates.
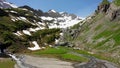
(27, 61)
(47, 62)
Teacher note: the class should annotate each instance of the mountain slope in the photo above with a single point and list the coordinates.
(100, 32)
(5, 4)
(25, 28)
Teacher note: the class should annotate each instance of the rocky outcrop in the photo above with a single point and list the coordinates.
(95, 63)
(102, 8)
(113, 12)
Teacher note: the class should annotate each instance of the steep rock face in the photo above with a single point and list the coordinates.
(103, 8)
(110, 10)
(100, 33)
(113, 12)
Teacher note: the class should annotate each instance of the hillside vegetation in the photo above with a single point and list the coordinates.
(117, 2)
(15, 20)
(100, 34)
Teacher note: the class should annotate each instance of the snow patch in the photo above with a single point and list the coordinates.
(62, 22)
(24, 9)
(23, 18)
(57, 41)
(41, 23)
(18, 33)
(67, 23)
(14, 57)
(13, 20)
(32, 30)
(13, 11)
(36, 47)
(26, 32)
(46, 18)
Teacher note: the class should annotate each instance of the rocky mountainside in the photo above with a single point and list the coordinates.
(55, 19)
(100, 33)
(30, 27)
(60, 19)
(5, 4)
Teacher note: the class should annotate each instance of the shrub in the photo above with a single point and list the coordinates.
(117, 2)
(105, 2)
(20, 25)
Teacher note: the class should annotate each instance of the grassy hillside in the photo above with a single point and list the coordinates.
(100, 35)
(13, 20)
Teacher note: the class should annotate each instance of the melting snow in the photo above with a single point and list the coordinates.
(14, 57)
(22, 18)
(41, 23)
(47, 18)
(63, 22)
(61, 34)
(13, 20)
(36, 47)
(31, 29)
(56, 41)
(24, 9)
(18, 33)
(26, 32)
(13, 11)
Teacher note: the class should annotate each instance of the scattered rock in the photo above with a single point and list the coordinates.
(96, 63)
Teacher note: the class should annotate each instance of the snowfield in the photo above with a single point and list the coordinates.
(61, 22)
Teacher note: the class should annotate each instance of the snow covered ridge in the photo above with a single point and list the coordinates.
(5, 4)
(61, 22)
(52, 10)
(60, 19)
